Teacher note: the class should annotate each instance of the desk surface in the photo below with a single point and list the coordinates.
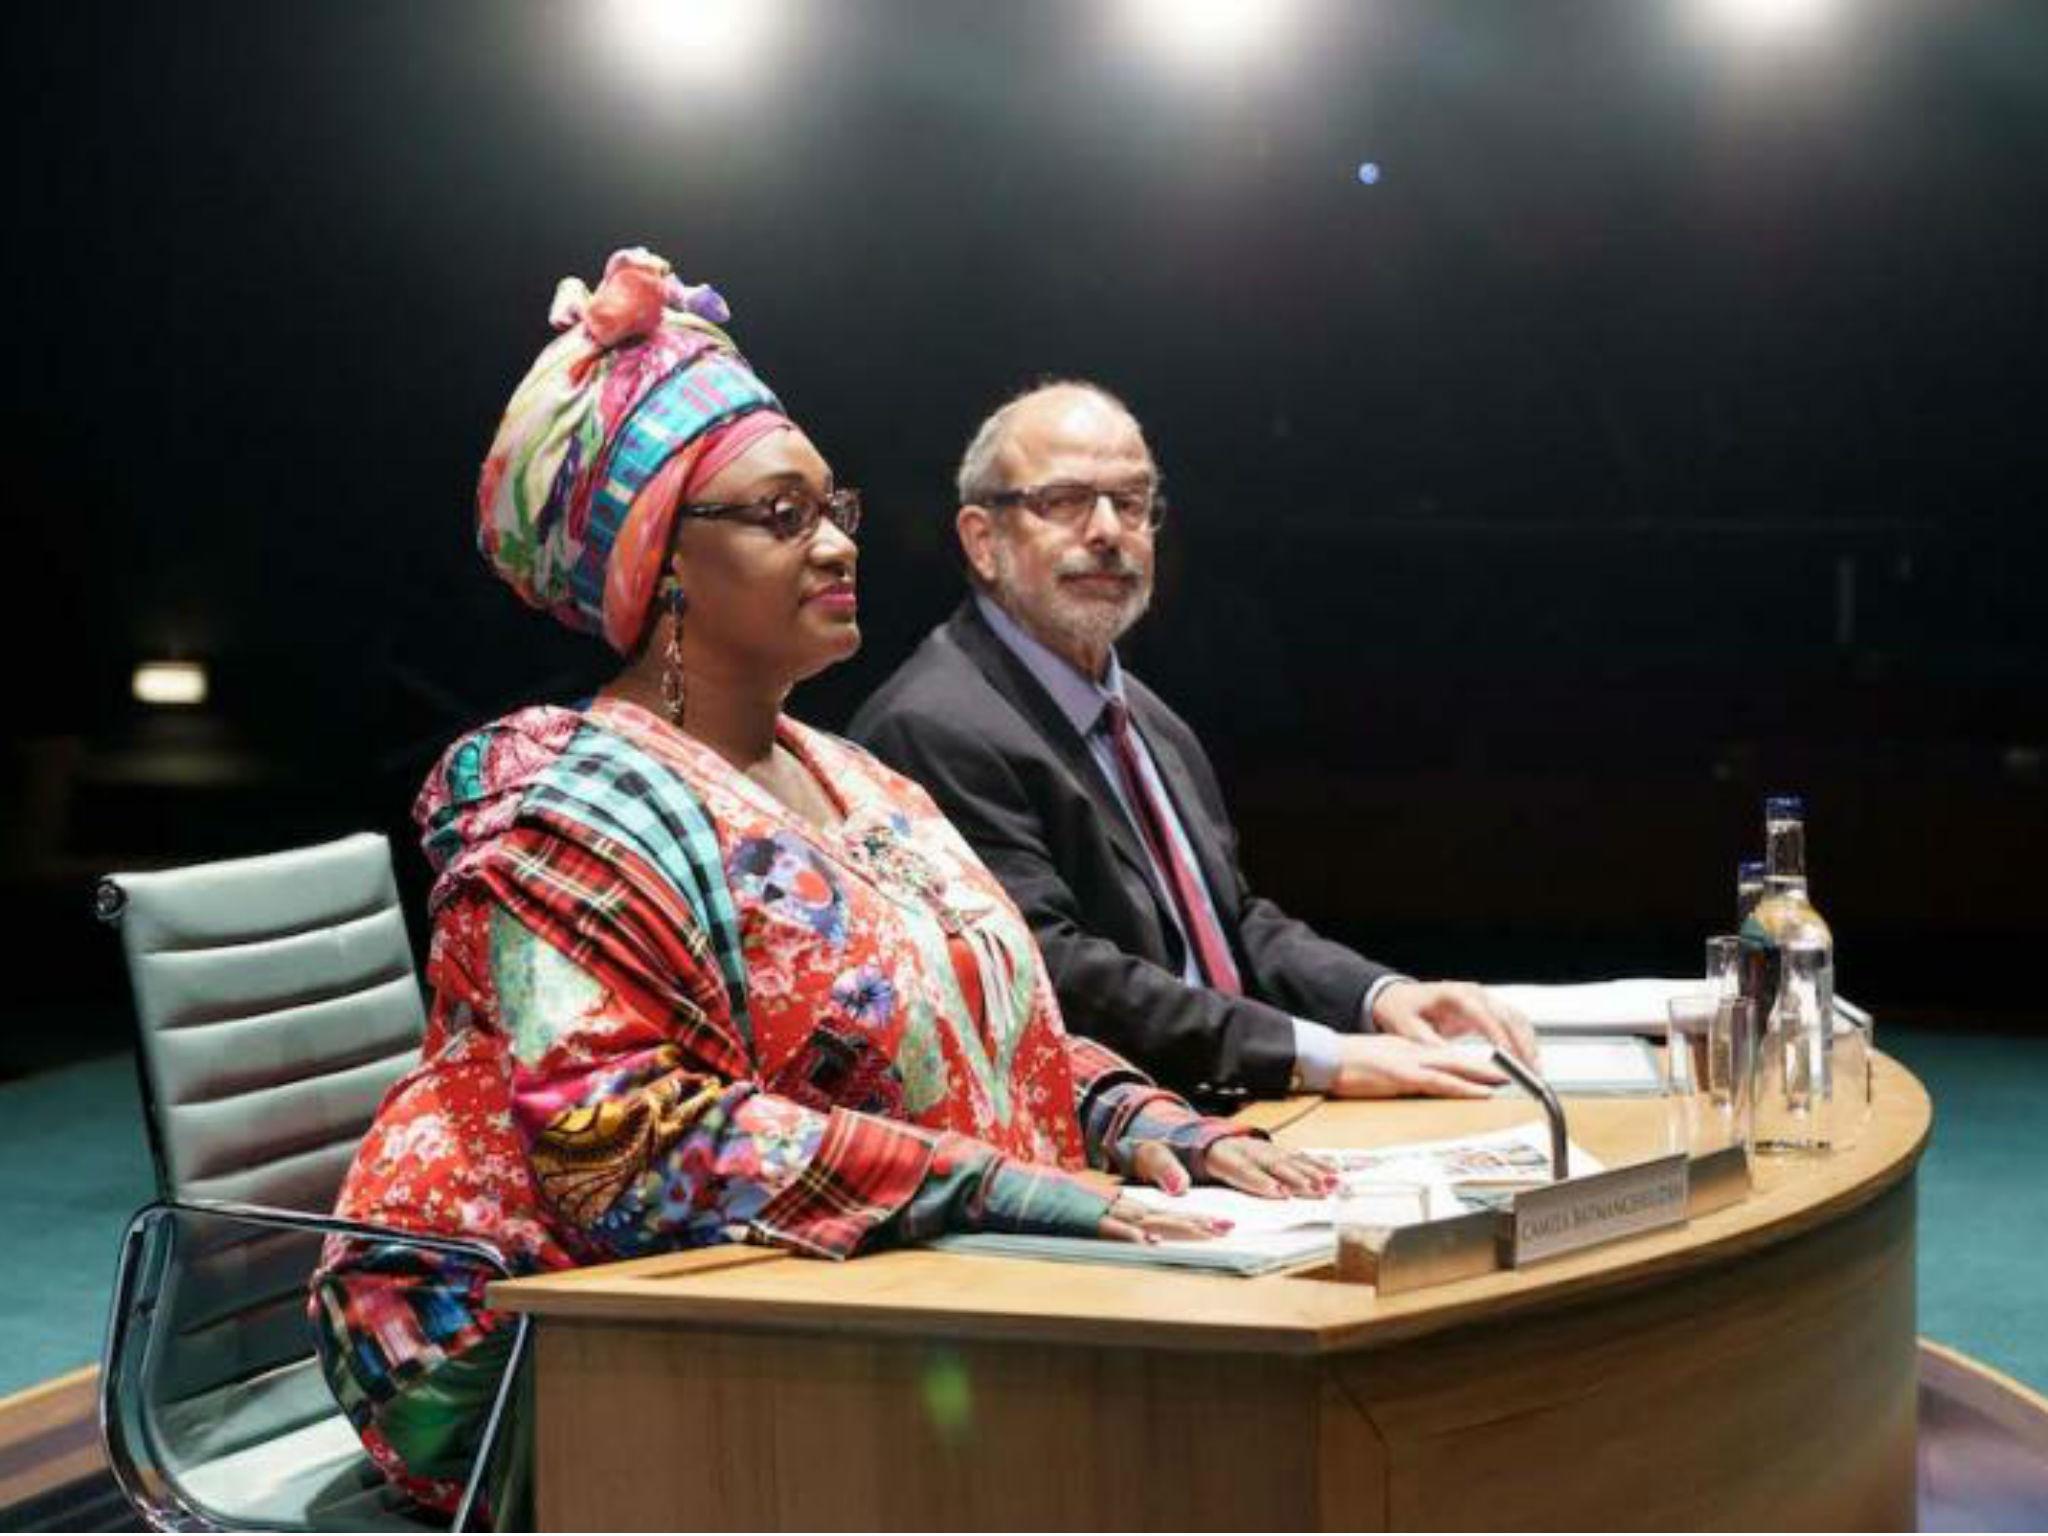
(944, 1295)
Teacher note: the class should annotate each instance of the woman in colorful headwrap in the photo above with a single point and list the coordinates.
(699, 972)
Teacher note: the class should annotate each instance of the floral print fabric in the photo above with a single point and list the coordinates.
(667, 1012)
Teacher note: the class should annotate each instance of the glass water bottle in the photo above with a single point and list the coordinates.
(1788, 973)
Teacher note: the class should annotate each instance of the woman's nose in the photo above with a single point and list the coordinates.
(832, 544)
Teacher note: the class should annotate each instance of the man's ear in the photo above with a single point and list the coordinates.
(976, 526)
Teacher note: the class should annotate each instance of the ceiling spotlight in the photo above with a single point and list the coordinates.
(1769, 20)
(175, 684)
(1204, 32)
(670, 41)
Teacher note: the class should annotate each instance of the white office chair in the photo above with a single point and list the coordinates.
(276, 1002)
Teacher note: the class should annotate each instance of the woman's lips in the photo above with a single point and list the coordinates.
(836, 600)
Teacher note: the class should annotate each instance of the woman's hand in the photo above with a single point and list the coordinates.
(1246, 1162)
(1256, 1166)
(1132, 1221)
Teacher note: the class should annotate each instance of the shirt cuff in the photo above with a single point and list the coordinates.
(864, 1171)
(1316, 1051)
(1372, 997)
(1035, 1199)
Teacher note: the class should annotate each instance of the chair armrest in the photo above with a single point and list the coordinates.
(338, 1226)
(156, 1498)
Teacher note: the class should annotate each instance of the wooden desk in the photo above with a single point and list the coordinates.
(1754, 1369)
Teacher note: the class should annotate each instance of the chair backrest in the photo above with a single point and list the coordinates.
(276, 1002)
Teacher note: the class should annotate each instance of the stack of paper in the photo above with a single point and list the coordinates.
(1283, 1234)
(1268, 1235)
(1587, 1065)
(1519, 1154)
(1633, 1005)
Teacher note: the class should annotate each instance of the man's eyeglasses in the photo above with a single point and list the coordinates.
(1070, 503)
(787, 515)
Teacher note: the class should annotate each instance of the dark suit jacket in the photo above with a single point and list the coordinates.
(966, 719)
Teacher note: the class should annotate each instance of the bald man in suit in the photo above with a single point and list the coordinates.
(1098, 809)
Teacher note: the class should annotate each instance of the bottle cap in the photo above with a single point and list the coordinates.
(1784, 808)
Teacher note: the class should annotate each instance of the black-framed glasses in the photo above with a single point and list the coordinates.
(787, 514)
(1070, 503)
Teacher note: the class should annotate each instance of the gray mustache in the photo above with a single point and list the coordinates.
(1111, 563)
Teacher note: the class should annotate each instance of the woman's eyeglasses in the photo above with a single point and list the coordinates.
(787, 515)
(1070, 503)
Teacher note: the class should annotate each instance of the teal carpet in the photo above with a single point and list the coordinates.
(76, 1165)
(1983, 1195)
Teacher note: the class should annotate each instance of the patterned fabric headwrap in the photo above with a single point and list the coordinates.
(637, 404)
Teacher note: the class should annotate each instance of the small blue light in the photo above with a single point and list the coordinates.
(1369, 173)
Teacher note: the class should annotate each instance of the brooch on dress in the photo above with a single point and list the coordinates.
(898, 864)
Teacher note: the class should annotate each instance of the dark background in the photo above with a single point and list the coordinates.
(1664, 426)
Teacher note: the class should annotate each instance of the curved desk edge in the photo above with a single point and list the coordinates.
(936, 1295)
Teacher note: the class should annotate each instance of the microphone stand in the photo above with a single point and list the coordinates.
(1539, 1090)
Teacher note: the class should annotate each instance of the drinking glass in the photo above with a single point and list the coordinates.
(1792, 1100)
(1724, 964)
(1852, 1088)
(1708, 1042)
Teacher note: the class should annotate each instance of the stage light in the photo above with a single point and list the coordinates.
(1768, 21)
(1369, 173)
(669, 41)
(177, 684)
(1210, 32)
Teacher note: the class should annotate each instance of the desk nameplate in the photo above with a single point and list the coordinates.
(1438, 1252)
(1716, 1180)
(1573, 1214)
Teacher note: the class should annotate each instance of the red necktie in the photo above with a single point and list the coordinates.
(1197, 920)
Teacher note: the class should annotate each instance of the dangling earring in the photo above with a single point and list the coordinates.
(673, 696)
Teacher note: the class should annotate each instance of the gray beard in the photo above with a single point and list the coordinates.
(1064, 622)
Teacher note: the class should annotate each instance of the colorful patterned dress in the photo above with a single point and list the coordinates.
(668, 1012)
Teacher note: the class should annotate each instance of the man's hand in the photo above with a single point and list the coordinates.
(1431, 1012)
(1388, 1067)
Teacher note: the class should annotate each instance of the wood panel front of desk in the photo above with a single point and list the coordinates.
(1755, 1370)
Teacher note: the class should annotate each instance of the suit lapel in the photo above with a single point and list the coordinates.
(1013, 680)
